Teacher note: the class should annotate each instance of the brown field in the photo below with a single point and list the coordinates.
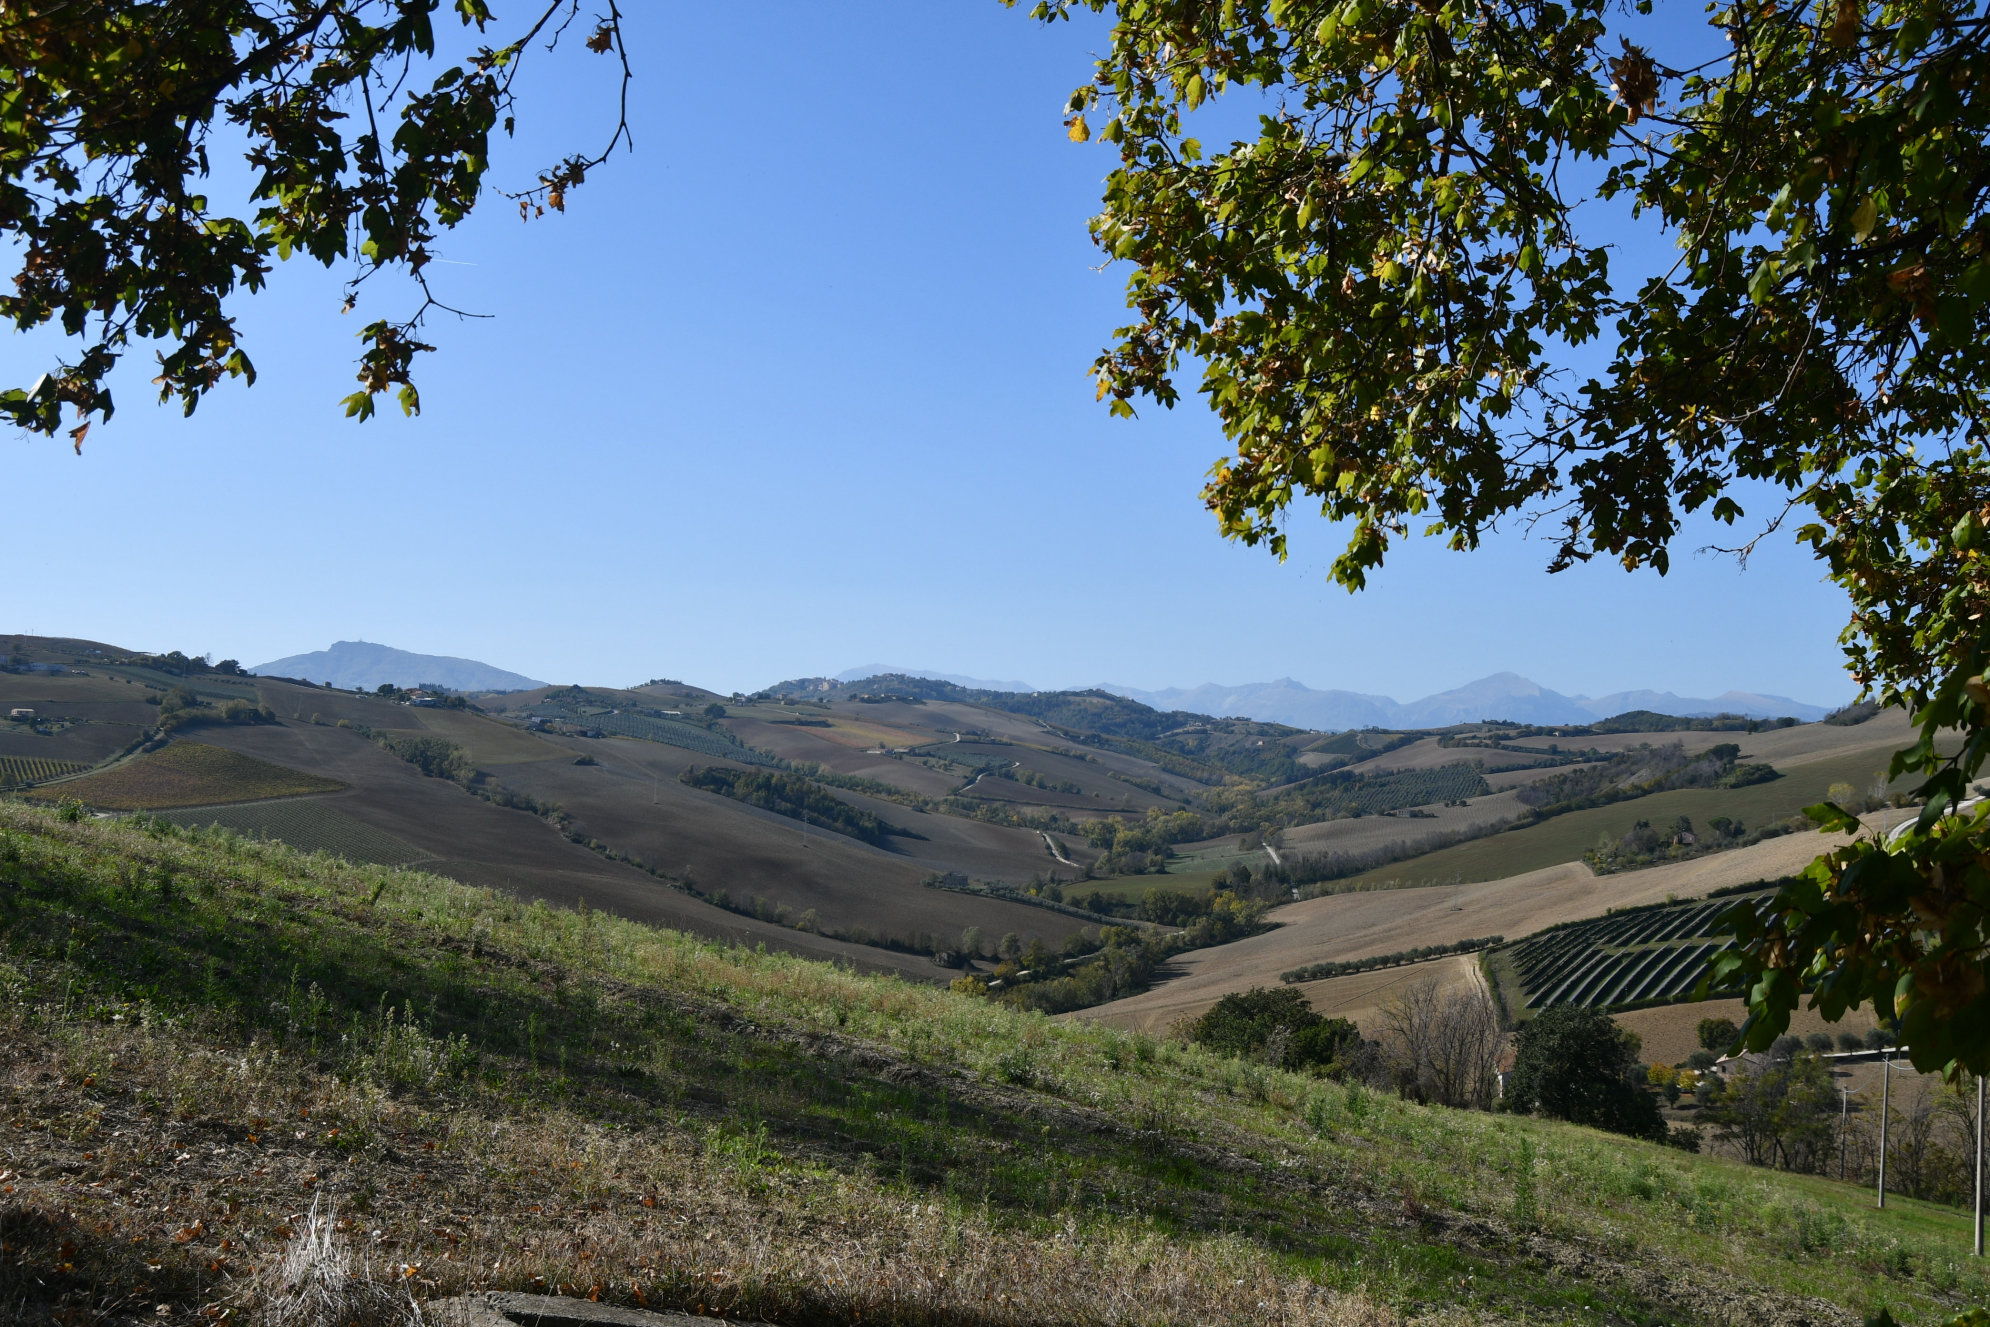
(488, 742)
(1778, 746)
(520, 854)
(84, 743)
(1425, 753)
(1360, 997)
(793, 743)
(1357, 925)
(1365, 832)
(291, 701)
(1565, 838)
(186, 774)
(634, 801)
(1670, 1032)
(106, 714)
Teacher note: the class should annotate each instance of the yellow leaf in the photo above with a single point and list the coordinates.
(1080, 131)
(1864, 219)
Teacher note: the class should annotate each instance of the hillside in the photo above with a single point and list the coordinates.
(909, 824)
(207, 1040)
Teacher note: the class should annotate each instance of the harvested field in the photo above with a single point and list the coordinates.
(186, 774)
(489, 741)
(1670, 1032)
(1360, 997)
(291, 701)
(308, 825)
(521, 855)
(1565, 838)
(86, 743)
(1775, 745)
(633, 801)
(1358, 925)
(671, 732)
(1425, 753)
(1366, 832)
(791, 742)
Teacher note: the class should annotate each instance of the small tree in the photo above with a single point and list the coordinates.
(1577, 1065)
(1717, 1034)
(1276, 1024)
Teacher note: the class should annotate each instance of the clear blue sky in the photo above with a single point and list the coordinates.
(799, 385)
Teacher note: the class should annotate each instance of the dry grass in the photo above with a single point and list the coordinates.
(203, 1160)
(194, 1046)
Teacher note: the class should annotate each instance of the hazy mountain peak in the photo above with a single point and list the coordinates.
(363, 664)
(1502, 695)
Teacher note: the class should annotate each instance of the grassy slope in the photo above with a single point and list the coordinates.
(201, 1035)
(1565, 838)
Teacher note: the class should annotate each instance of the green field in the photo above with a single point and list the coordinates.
(187, 774)
(526, 1098)
(308, 826)
(1565, 838)
(17, 770)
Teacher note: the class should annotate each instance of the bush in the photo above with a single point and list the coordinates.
(1576, 1064)
(1717, 1034)
(1278, 1026)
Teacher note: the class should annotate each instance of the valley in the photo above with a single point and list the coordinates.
(936, 831)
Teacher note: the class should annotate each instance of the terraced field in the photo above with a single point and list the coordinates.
(309, 826)
(17, 770)
(1653, 953)
(186, 774)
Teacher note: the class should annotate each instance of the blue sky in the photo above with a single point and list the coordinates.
(799, 385)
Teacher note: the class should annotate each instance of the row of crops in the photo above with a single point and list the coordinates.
(307, 826)
(18, 771)
(687, 735)
(1650, 954)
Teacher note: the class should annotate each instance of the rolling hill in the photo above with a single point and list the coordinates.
(908, 824)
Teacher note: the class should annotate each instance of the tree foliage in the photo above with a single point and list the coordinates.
(1576, 1064)
(363, 146)
(1401, 312)
(1277, 1024)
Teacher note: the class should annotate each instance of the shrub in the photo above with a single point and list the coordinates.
(1576, 1064)
(1276, 1025)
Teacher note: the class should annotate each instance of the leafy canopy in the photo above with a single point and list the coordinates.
(1576, 1064)
(360, 150)
(1399, 311)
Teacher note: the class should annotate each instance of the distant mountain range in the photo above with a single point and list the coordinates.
(1500, 696)
(358, 663)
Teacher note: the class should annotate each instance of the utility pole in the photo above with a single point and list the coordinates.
(1885, 1111)
(1844, 1109)
(1979, 1165)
